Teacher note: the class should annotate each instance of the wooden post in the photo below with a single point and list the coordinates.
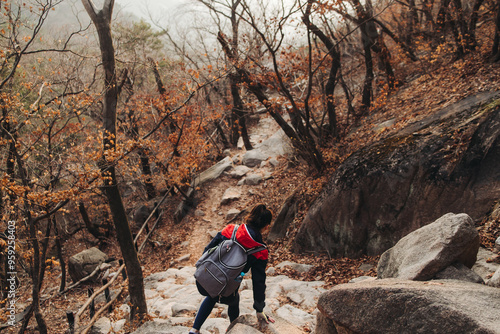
(71, 321)
(124, 271)
(106, 294)
(90, 292)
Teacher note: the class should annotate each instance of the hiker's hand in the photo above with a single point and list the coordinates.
(262, 317)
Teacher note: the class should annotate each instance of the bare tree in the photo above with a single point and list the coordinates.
(102, 21)
(231, 10)
(334, 54)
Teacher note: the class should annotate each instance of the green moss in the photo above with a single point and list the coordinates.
(491, 105)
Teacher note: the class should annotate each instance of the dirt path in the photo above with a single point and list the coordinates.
(209, 216)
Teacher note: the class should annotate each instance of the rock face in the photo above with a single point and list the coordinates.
(423, 253)
(84, 263)
(395, 306)
(284, 219)
(447, 162)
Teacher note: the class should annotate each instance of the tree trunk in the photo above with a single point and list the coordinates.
(441, 20)
(495, 51)
(102, 20)
(471, 40)
(238, 112)
(385, 58)
(411, 22)
(60, 256)
(43, 255)
(88, 224)
(146, 171)
(221, 134)
(367, 85)
(334, 68)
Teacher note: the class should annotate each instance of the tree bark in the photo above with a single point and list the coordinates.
(495, 52)
(238, 112)
(88, 224)
(102, 21)
(334, 68)
(369, 76)
(472, 24)
(60, 256)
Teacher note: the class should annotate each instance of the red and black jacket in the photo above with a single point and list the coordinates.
(249, 238)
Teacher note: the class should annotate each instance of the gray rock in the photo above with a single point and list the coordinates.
(161, 326)
(276, 145)
(361, 279)
(208, 175)
(253, 179)
(296, 316)
(213, 172)
(365, 267)
(396, 306)
(239, 171)
(274, 162)
(386, 124)
(324, 325)
(494, 281)
(199, 213)
(284, 219)
(299, 267)
(231, 213)
(84, 263)
(247, 324)
(101, 326)
(243, 329)
(460, 272)
(254, 157)
(270, 271)
(216, 325)
(484, 267)
(231, 194)
(497, 244)
(180, 308)
(428, 250)
(182, 258)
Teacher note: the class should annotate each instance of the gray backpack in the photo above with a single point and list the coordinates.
(219, 269)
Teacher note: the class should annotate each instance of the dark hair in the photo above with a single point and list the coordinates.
(259, 217)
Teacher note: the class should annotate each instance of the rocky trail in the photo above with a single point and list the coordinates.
(227, 190)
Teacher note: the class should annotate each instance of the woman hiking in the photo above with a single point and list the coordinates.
(249, 235)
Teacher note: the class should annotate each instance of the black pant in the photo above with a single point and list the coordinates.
(233, 302)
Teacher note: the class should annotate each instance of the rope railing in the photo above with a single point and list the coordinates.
(74, 319)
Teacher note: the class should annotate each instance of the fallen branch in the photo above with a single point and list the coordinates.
(98, 313)
(86, 278)
(95, 294)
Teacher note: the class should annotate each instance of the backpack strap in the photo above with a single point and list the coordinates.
(251, 250)
(256, 249)
(233, 236)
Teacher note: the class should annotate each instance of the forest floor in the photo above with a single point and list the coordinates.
(418, 96)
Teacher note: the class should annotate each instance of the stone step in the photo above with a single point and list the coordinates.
(248, 324)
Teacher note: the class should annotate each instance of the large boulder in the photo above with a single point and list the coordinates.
(423, 253)
(447, 162)
(208, 175)
(284, 219)
(395, 306)
(85, 262)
